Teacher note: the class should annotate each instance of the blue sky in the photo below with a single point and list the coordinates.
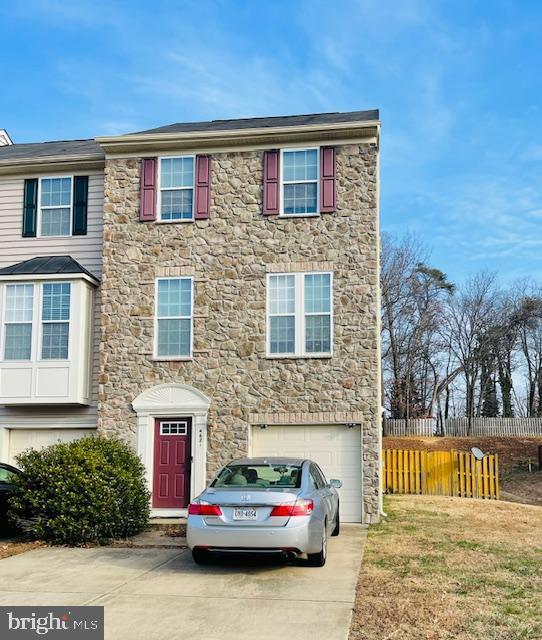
(458, 84)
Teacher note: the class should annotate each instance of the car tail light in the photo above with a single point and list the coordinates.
(199, 509)
(299, 508)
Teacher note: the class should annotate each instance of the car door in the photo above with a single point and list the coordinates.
(322, 490)
(7, 475)
(328, 494)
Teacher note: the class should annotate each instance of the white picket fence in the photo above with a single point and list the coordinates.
(459, 427)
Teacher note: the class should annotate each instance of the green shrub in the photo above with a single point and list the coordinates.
(88, 490)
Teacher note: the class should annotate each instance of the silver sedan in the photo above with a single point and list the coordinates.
(265, 505)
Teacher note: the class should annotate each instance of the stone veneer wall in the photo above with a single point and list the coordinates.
(229, 255)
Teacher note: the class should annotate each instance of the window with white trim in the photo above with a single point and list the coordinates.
(55, 206)
(176, 193)
(300, 175)
(299, 314)
(18, 316)
(22, 304)
(173, 429)
(55, 320)
(173, 331)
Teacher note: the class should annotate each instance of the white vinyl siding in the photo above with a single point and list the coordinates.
(87, 250)
(299, 314)
(173, 318)
(176, 188)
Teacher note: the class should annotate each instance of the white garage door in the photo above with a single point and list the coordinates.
(336, 448)
(21, 439)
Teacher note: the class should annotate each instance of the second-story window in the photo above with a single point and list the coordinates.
(37, 321)
(173, 327)
(299, 182)
(55, 206)
(176, 195)
(18, 315)
(55, 321)
(299, 314)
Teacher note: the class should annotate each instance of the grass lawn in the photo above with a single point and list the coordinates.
(440, 568)
(13, 547)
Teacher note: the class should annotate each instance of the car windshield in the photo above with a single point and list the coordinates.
(259, 475)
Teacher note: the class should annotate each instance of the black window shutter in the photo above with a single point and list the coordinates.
(30, 207)
(80, 205)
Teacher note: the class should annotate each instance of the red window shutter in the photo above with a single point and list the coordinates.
(202, 187)
(271, 182)
(147, 209)
(327, 180)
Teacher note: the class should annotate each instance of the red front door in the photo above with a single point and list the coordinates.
(171, 482)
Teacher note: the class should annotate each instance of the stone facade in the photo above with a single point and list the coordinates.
(229, 255)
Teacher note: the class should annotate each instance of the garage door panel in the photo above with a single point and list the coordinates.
(22, 439)
(336, 448)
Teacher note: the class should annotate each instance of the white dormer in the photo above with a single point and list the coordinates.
(46, 309)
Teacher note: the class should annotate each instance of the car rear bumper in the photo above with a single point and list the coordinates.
(297, 537)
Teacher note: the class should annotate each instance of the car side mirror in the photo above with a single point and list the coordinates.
(336, 484)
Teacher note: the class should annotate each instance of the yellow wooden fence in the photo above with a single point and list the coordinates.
(440, 473)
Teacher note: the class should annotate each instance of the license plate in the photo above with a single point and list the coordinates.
(244, 514)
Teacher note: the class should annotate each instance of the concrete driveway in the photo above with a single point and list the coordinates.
(159, 594)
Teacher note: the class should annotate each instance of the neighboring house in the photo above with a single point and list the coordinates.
(51, 211)
(236, 298)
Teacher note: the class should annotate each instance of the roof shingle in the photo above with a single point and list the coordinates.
(46, 265)
(267, 122)
(44, 150)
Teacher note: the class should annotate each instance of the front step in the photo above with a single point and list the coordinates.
(163, 523)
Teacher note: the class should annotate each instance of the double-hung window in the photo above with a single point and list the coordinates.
(55, 321)
(299, 314)
(18, 316)
(173, 330)
(55, 206)
(176, 195)
(299, 182)
(32, 311)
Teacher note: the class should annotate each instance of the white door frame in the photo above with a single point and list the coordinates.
(173, 401)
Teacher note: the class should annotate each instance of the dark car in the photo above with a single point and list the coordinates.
(7, 487)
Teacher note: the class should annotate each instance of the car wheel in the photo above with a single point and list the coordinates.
(319, 559)
(337, 527)
(201, 556)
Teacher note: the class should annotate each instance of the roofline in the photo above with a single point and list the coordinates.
(53, 163)
(239, 137)
(334, 132)
(66, 275)
(31, 277)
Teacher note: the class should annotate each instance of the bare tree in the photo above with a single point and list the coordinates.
(412, 308)
(466, 329)
(528, 318)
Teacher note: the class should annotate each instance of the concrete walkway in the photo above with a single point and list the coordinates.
(159, 594)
